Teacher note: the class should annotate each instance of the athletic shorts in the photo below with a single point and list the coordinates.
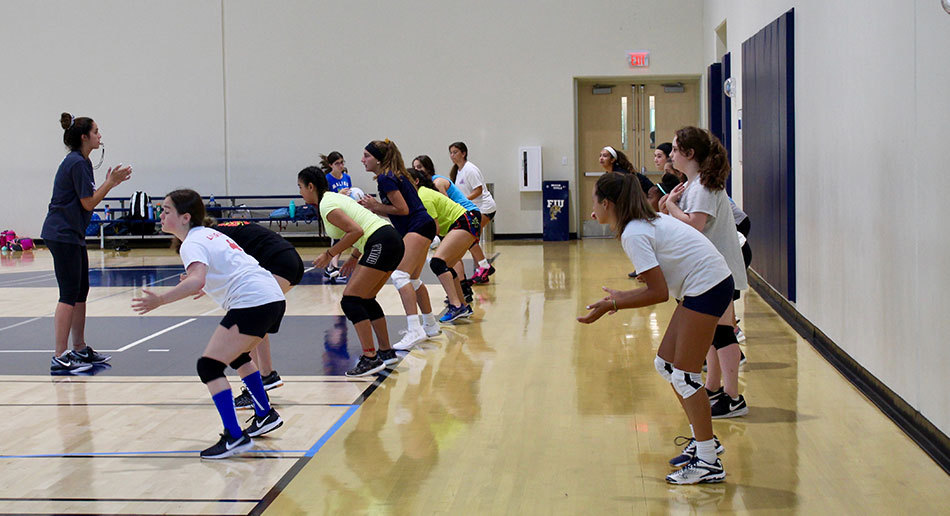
(256, 320)
(744, 227)
(470, 222)
(714, 301)
(287, 264)
(71, 265)
(383, 250)
(491, 216)
(428, 229)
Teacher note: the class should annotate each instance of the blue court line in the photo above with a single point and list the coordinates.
(329, 433)
(107, 454)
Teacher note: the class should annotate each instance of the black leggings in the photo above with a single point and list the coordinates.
(71, 264)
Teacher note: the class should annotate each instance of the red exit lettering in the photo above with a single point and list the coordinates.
(639, 59)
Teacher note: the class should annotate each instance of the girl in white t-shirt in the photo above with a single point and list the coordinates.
(672, 258)
(468, 178)
(218, 267)
(702, 202)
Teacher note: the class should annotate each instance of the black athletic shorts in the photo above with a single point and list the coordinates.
(383, 250)
(287, 264)
(744, 227)
(491, 216)
(428, 230)
(714, 301)
(470, 222)
(256, 320)
(71, 265)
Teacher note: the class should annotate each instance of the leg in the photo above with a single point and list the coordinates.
(729, 357)
(365, 283)
(62, 322)
(262, 357)
(77, 326)
(713, 371)
(694, 333)
(416, 248)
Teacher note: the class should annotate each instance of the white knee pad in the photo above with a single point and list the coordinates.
(664, 368)
(686, 383)
(400, 278)
(416, 283)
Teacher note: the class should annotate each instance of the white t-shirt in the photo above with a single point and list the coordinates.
(689, 261)
(720, 226)
(234, 279)
(468, 179)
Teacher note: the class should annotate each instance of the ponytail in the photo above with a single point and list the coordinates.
(391, 160)
(630, 203)
(463, 149)
(74, 129)
(708, 152)
(316, 177)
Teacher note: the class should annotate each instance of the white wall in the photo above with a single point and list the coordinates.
(871, 117)
(297, 78)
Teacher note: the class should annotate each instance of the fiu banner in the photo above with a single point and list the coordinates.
(556, 210)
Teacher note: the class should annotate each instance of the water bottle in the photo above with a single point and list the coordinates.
(211, 200)
(107, 212)
(292, 209)
(151, 211)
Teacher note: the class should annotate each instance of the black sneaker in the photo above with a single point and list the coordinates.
(263, 425)
(271, 381)
(89, 356)
(244, 401)
(725, 407)
(714, 395)
(633, 274)
(367, 366)
(690, 450)
(388, 356)
(742, 359)
(68, 363)
(228, 446)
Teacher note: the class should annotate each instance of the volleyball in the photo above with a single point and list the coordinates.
(357, 193)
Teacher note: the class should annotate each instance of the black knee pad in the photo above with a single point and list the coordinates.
(454, 274)
(354, 309)
(439, 266)
(241, 360)
(724, 336)
(373, 310)
(210, 369)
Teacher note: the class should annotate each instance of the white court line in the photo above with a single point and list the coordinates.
(152, 336)
(158, 351)
(10, 283)
(21, 323)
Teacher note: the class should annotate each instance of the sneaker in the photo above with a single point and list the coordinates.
(89, 356)
(452, 313)
(740, 337)
(432, 330)
(367, 366)
(263, 425)
(228, 446)
(742, 359)
(690, 450)
(466, 283)
(388, 356)
(271, 381)
(244, 401)
(467, 311)
(410, 339)
(68, 363)
(725, 407)
(633, 274)
(714, 395)
(697, 471)
(331, 272)
(480, 277)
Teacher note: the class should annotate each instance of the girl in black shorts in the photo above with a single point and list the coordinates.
(378, 250)
(400, 202)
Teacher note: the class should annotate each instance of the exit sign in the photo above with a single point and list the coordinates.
(638, 59)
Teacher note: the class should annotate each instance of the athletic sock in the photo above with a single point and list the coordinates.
(413, 321)
(224, 402)
(706, 451)
(428, 319)
(691, 432)
(256, 387)
(484, 264)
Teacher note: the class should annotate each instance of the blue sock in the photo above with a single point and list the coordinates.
(256, 387)
(224, 402)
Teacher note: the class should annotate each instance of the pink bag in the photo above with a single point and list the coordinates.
(7, 236)
(26, 243)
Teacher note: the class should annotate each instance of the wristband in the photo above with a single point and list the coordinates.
(615, 304)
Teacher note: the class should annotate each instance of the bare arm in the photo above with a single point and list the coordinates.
(397, 204)
(352, 230)
(192, 284)
(114, 177)
(654, 292)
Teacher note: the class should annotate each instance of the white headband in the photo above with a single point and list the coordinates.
(611, 151)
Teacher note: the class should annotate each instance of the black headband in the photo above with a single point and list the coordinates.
(372, 149)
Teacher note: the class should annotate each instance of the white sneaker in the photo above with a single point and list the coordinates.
(410, 338)
(696, 471)
(432, 330)
(740, 337)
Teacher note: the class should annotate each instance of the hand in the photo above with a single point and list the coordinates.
(601, 307)
(323, 260)
(348, 266)
(148, 302)
(345, 191)
(117, 175)
(370, 203)
(677, 192)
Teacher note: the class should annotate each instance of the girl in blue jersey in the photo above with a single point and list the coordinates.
(400, 202)
(337, 181)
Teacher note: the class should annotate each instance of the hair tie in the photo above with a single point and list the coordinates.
(72, 120)
(611, 151)
(387, 140)
(374, 151)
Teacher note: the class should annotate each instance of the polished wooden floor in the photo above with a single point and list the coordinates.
(522, 411)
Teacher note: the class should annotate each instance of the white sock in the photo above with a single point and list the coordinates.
(706, 451)
(428, 319)
(414, 323)
(484, 264)
(691, 432)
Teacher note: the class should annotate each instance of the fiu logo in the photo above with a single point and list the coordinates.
(554, 208)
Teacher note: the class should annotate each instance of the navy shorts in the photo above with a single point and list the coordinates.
(428, 230)
(256, 320)
(383, 250)
(714, 301)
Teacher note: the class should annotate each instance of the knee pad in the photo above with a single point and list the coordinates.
(210, 369)
(400, 278)
(353, 309)
(241, 360)
(438, 266)
(686, 383)
(373, 310)
(416, 283)
(724, 336)
(664, 368)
